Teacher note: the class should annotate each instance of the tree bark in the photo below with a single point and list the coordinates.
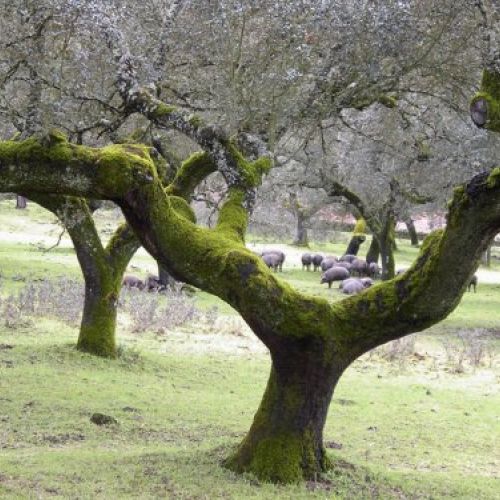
(102, 270)
(164, 277)
(386, 241)
(354, 243)
(358, 237)
(285, 441)
(21, 202)
(412, 232)
(301, 237)
(373, 253)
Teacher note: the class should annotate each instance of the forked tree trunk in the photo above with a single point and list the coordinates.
(285, 441)
(102, 270)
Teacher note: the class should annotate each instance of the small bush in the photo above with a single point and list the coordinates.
(61, 298)
(158, 311)
(469, 347)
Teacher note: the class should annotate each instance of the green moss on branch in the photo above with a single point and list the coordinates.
(191, 173)
(489, 94)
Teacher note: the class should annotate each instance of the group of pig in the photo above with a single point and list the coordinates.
(150, 284)
(343, 269)
(355, 274)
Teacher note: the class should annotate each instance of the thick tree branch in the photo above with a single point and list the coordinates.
(434, 285)
(217, 262)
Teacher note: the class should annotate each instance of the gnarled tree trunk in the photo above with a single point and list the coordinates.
(285, 441)
(310, 339)
(102, 270)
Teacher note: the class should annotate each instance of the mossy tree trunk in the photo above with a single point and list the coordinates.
(102, 270)
(358, 237)
(285, 441)
(310, 339)
(386, 243)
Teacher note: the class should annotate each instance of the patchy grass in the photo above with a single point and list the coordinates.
(399, 427)
(392, 433)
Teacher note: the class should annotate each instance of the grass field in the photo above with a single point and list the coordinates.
(408, 421)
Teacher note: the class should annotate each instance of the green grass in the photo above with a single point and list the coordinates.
(413, 429)
(179, 415)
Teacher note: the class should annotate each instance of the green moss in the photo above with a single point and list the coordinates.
(233, 217)
(491, 83)
(278, 459)
(360, 227)
(196, 121)
(388, 101)
(490, 92)
(162, 110)
(190, 174)
(182, 207)
(56, 137)
(494, 178)
(251, 172)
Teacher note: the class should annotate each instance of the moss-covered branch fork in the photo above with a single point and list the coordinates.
(311, 341)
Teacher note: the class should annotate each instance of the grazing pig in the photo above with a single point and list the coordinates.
(367, 282)
(344, 282)
(316, 260)
(352, 286)
(133, 282)
(272, 261)
(359, 267)
(327, 263)
(344, 264)
(472, 283)
(306, 261)
(153, 284)
(334, 274)
(280, 256)
(348, 258)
